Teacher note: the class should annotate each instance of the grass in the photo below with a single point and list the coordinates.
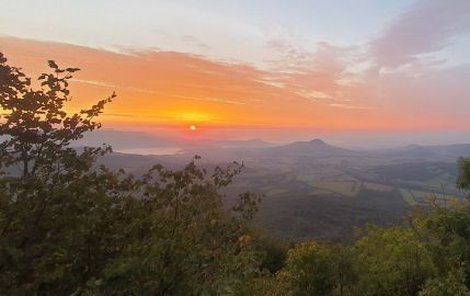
(408, 197)
(307, 178)
(422, 194)
(346, 188)
(377, 187)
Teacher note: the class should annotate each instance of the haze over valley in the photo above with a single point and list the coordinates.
(311, 189)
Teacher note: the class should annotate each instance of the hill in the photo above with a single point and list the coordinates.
(314, 190)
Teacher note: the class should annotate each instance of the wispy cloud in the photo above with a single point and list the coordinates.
(328, 86)
(192, 40)
(346, 106)
(426, 26)
(95, 83)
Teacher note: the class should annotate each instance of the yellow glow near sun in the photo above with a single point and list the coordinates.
(192, 127)
(191, 116)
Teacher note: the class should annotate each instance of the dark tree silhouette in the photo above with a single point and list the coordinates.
(37, 127)
(70, 227)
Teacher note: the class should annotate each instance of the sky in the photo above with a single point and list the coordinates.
(235, 68)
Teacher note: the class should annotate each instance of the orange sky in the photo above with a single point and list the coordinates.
(157, 88)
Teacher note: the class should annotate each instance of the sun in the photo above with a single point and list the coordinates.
(192, 127)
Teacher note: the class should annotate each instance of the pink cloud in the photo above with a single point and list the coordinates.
(426, 26)
(308, 91)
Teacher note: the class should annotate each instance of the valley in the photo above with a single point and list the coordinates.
(313, 190)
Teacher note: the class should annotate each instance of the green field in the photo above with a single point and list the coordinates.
(377, 187)
(346, 188)
(408, 197)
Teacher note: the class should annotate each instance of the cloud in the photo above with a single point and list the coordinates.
(328, 87)
(192, 40)
(150, 84)
(95, 83)
(346, 106)
(320, 74)
(427, 26)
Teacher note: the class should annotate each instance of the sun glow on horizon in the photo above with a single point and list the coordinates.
(191, 117)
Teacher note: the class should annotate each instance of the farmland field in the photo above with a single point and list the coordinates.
(345, 188)
(408, 197)
(377, 187)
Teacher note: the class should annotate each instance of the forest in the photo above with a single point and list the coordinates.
(70, 225)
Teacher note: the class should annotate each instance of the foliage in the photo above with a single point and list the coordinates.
(453, 284)
(391, 261)
(429, 256)
(309, 270)
(448, 238)
(273, 252)
(463, 180)
(192, 244)
(68, 227)
(37, 128)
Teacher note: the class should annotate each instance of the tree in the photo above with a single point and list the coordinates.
(194, 246)
(391, 261)
(452, 284)
(309, 270)
(37, 128)
(68, 226)
(447, 232)
(463, 180)
(45, 182)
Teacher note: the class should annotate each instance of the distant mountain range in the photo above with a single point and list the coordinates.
(133, 141)
(313, 147)
(432, 152)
